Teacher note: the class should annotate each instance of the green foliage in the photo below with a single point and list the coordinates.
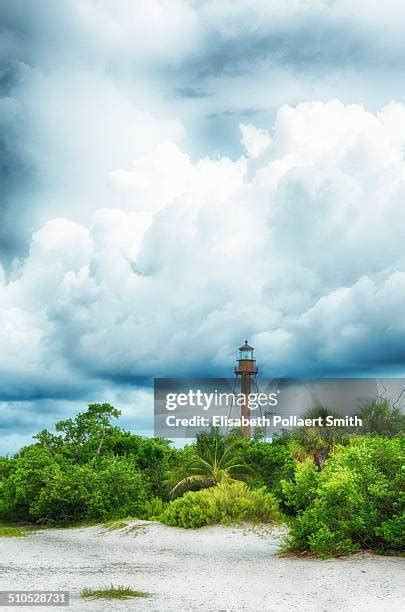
(213, 459)
(392, 531)
(318, 441)
(225, 503)
(269, 462)
(343, 493)
(91, 470)
(44, 490)
(112, 592)
(81, 438)
(28, 473)
(381, 418)
(11, 532)
(152, 509)
(90, 436)
(298, 494)
(354, 503)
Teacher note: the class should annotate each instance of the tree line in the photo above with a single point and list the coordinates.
(338, 489)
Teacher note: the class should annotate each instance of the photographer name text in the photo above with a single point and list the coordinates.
(262, 421)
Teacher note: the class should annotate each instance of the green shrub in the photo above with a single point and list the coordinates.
(88, 470)
(27, 473)
(298, 494)
(393, 530)
(226, 503)
(270, 462)
(44, 490)
(152, 509)
(354, 503)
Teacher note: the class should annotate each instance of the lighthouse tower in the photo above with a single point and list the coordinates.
(246, 369)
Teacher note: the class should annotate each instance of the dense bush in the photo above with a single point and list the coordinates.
(225, 503)
(44, 490)
(343, 493)
(152, 509)
(88, 470)
(354, 503)
(270, 462)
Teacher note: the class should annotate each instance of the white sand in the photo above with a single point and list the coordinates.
(214, 568)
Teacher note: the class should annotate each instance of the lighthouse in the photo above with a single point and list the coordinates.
(246, 369)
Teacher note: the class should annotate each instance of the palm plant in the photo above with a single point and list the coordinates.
(215, 460)
(381, 418)
(317, 441)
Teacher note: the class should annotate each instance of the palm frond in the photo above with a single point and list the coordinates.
(244, 467)
(213, 460)
(188, 483)
(228, 449)
(200, 464)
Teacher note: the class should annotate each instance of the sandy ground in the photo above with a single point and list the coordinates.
(213, 568)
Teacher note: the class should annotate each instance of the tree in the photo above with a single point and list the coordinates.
(88, 469)
(316, 442)
(269, 461)
(214, 460)
(84, 435)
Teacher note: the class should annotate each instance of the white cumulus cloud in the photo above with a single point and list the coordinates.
(304, 255)
(255, 140)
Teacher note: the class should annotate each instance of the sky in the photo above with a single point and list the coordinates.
(179, 175)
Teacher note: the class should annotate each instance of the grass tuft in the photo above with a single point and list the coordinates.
(11, 532)
(112, 592)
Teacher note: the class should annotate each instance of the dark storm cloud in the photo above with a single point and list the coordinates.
(44, 38)
(41, 389)
(17, 179)
(44, 33)
(35, 38)
(17, 170)
(311, 45)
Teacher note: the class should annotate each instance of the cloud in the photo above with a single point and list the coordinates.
(72, 129)
(72, 108)
(254, 140)
(295, 34)
(88, 86)
(20, 420)
(143, 233)
(303, 253)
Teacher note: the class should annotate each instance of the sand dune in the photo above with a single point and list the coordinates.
(209, 569)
